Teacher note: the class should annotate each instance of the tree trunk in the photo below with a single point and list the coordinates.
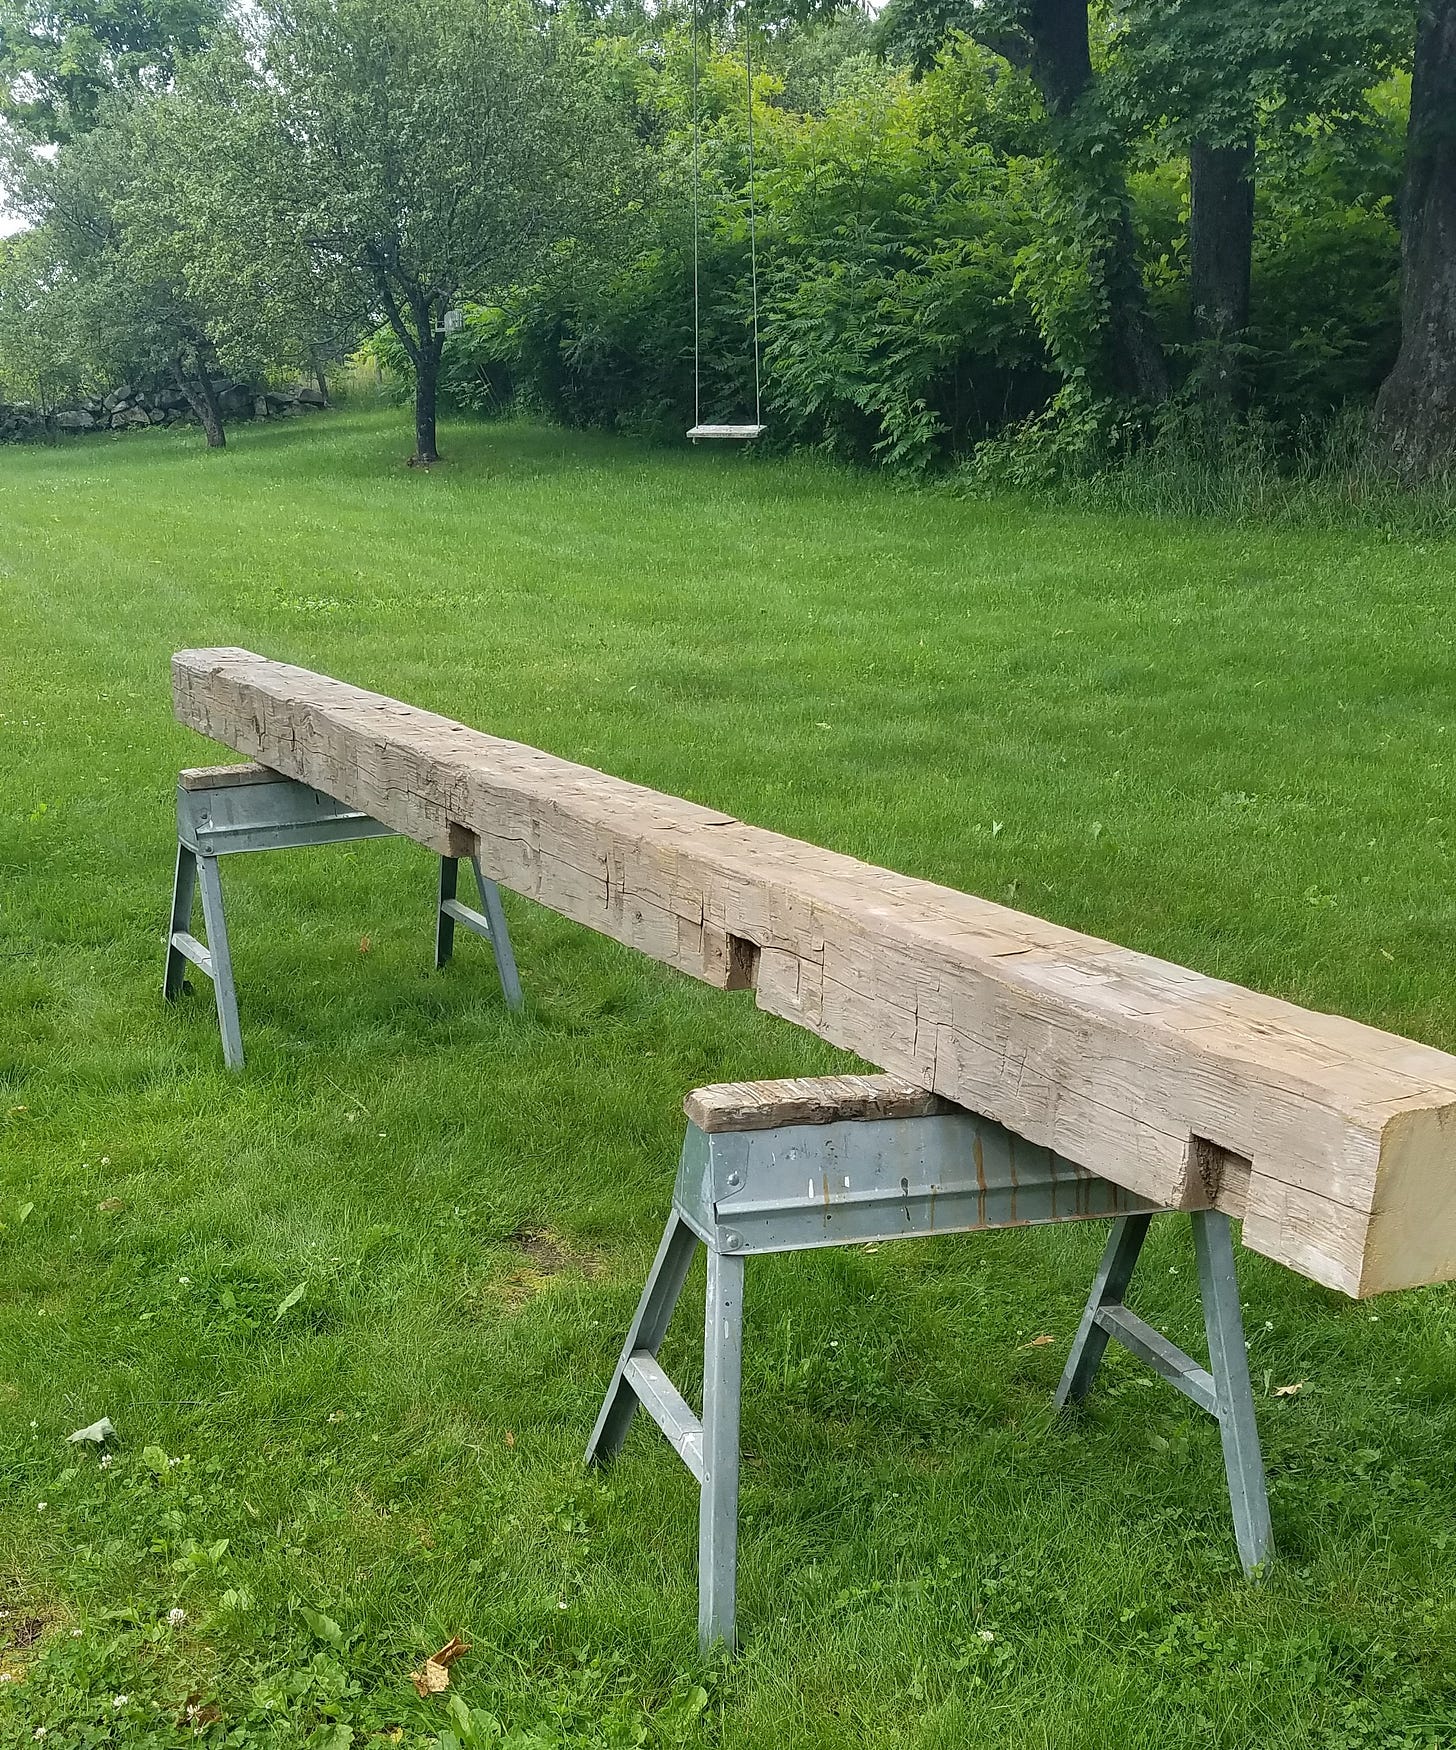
(1060, 63)
(1061, 54)
(196, 384)
(1415, 413)
(427, 369)
(1221, 260)
(1139, 367)
(321, 380)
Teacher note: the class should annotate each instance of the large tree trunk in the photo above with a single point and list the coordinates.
(1060, 63)
(195, 382)
(1221, 260)
(427, 371)
(1416, 409)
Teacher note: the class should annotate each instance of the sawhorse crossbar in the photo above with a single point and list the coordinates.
(222, 810)
(839, 1160)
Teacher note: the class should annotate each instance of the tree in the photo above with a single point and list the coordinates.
(123, 307)
(1416, 409)
(59, 59)
(1090, 287)
(1052, 40)
(135, 276)
(422, 150)
(37, 363)
(1212, 75)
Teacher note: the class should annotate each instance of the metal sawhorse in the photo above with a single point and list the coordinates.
(839, 1160)
(226, 809)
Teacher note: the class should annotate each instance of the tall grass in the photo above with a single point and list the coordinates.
(1203, 462)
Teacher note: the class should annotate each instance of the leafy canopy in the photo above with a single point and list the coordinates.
(59, 59)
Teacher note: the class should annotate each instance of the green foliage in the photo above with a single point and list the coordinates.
(1218, 69)
(129, 272)
(61, 59)
(940, 261)
(896, 328)
(409, 155)
(926, 274)
(39, 361)
(889, 232)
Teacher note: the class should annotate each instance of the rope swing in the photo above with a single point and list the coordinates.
(698, 429)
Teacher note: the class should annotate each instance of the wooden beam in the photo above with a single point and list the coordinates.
(807, 1100)
(1334, 1142)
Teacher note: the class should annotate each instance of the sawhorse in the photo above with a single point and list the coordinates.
(222, 810)
(840, 1160)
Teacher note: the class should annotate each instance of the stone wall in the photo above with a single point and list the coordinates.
(135, 408)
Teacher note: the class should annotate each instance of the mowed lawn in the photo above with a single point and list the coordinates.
(352, 1311)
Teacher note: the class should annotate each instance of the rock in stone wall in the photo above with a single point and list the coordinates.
(130, 407)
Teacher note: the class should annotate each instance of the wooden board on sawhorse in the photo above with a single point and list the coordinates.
(223, 810)
(791, 1165)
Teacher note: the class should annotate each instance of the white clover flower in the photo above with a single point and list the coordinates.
(106, 1461)
(40, 1506)
(185, 1281)
(988, 1635)
(120, 1700)
(39, 1733)
(176, 1616)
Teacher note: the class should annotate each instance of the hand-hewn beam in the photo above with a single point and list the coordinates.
(1335, 1143)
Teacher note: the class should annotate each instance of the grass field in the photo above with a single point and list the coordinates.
(352, 1311)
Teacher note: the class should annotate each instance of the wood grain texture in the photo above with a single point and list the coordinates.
(1334, 1142)
(224, 777)
(807, 1100)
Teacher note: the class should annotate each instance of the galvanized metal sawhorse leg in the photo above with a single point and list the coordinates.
(1222, 1388)
(786, 1166)
(223, 810)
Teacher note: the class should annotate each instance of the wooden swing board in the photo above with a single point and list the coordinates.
(726, 431)
(1335, 1142)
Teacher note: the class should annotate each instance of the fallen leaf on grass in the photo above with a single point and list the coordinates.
(96, 1434)
(1288, 1391)
(435, 1678)
(365, 944)
(110, 1205)
(1038, 1343)
(510, 1439)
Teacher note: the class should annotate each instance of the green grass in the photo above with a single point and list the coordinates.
(1226, 746)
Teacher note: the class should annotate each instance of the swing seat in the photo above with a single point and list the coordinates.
(726, 431)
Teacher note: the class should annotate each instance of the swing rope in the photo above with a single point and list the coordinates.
(752, 222)
(698, 427)
(697, 324)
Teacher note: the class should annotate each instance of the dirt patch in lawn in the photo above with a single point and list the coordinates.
(537, 1258)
